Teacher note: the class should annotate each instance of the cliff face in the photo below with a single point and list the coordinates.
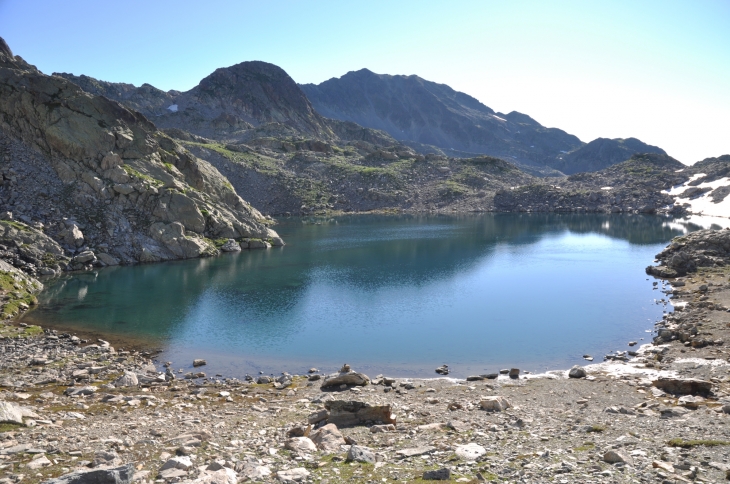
(102, 182)
(410, 108)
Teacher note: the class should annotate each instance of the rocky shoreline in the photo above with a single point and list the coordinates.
(88, 412)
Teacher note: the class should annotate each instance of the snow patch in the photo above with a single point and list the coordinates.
(172, 108)
(703, 205)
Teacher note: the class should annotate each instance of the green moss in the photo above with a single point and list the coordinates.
(688, 444)
(16, 225)
(9, 427)
(136, 174)
(170, 167)
(585, 447)
(597, 428)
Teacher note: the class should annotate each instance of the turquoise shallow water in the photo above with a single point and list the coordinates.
(387, 294)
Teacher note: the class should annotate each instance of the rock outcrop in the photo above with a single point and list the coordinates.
(96, 183)
(704, 248)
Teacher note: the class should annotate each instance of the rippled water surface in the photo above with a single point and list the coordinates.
(392, 294)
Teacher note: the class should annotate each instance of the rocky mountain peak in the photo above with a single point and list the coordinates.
(258, 92)
(5, 48)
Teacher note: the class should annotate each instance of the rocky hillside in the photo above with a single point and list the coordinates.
(412, 109)
(227, 104)
(602, 153)
(86, 181)
(636, 185)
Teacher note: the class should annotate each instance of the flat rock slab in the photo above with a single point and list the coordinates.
(345, 378)
(415, 451)
(350, 413)
(683, 386)
(116, 475)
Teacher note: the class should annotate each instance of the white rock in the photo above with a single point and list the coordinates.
(181, 462)
(10, 413)
(495, 403)
(470, 452)
(293, 475)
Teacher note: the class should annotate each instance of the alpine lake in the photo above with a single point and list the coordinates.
(392, 294)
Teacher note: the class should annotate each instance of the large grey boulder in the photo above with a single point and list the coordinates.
(129, 379)
(116, 475)
(10, 413)
(359, 453)
(577, 372)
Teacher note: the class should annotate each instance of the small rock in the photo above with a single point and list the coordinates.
(613, 457)
(495, 403)
(577, 372)
(443, 474)
(199, 362)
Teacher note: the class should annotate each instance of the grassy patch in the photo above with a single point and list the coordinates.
(16, 225)
(585, 447)
(597, 428)
(9, 427)
(136, 174)
(688, 444)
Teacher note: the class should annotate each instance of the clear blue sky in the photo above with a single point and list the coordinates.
(655, 70)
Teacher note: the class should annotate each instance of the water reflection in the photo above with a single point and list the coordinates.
(359, 276)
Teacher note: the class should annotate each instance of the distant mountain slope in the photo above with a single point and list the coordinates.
(225, 103)
(602, 153)
(413, 109)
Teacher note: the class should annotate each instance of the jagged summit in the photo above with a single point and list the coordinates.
(5, 48)
(412, 109)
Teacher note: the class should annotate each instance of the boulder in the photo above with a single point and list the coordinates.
(345, 413)
(318, 416)
(199, 362)
(328, 438)
(231, 246)
(10, 413)
(514, 373)
(614, 457)
(577, 372)
(358, 453)
(107, 259)
(297, 474)
(38, 462)
(683, 386)
(301, 444)
(84, 257)
(443, 474)
(253, 471)
(220, 476)
(129, 379)
(258, 244)
(495, 403)
(345, 378)
(182, 462)
(470, 451)
(116, 475)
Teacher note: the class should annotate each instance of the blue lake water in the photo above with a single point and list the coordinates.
(398, 295)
